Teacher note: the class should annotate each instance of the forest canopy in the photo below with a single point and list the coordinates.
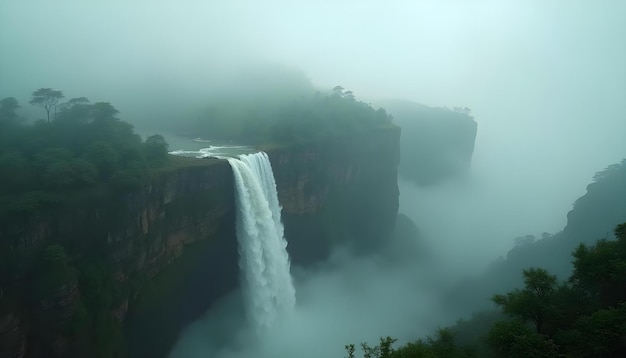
(80, 145)
(288, 117)
(83, 145)
(583, 316)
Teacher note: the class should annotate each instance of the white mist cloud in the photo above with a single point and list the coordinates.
(345, 300)
(545, 80)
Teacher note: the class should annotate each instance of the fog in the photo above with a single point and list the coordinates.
(347, 299)
(546, 83)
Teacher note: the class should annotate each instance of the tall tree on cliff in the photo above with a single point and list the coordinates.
(8, 108)
(48, 99)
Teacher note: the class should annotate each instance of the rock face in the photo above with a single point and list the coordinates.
(149, 262)
(339, 190)
(437, 143)
(12, 336)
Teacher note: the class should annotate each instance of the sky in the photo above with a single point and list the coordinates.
(544, 79)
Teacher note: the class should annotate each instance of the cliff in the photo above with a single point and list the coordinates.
(84, 278)
(338, 190)
(594, 216)
(437, 143)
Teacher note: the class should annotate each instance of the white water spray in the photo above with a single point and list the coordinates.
(263, 259)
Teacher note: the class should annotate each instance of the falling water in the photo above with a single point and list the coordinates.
(267, 284)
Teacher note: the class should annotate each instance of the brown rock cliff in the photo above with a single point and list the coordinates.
(338, 189)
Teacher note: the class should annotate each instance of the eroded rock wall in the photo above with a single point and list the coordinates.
(153, 260)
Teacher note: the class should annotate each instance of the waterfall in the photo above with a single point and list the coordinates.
(267, 285)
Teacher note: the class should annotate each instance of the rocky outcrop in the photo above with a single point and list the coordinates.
(12, 336)
(154, 259)
(338, 190)
(437, 143)
(116, 244)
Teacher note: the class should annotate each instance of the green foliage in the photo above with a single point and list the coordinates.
(15, 171)
(133, 177)
(55, 255)
(103, 111)
(83, 151)
(58, 176)
(515, 339)
(68, 174)
(104, 157)
(155, 149)
(473, 330)
(600, 270)
(601, 208)
(383, 350)
(48, 99)
(83, 172)
(290, 118)
(443, 345)
(8, 110)
(596, 335)
(534, 303)
(86, 146)
(582, 317)
(593, 217)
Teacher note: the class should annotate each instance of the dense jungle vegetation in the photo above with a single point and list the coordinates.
(561, 295)
(82, 152)
(79, 146)
(583, 316)
(285, 118)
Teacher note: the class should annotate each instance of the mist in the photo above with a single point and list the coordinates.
(546, 83)
(346, 299)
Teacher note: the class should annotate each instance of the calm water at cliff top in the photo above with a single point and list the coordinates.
(202, 147)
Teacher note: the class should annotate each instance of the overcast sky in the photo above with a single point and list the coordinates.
(546, 80)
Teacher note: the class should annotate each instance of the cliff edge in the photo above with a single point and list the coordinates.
(137, 267)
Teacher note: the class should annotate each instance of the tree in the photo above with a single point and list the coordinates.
(338, 91)
(76, 110)
(534, 302)
(101, 111)
(77, 101)
(463, 110)
(55, 254)
(155, 149)
(598, 334)
(58, 176)
(8, 108)
(442, 345)
(83, 172)
(48, 99)
(524, 240)
(600, 270)
(104, 157)
(15, 171)
(514, 339)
